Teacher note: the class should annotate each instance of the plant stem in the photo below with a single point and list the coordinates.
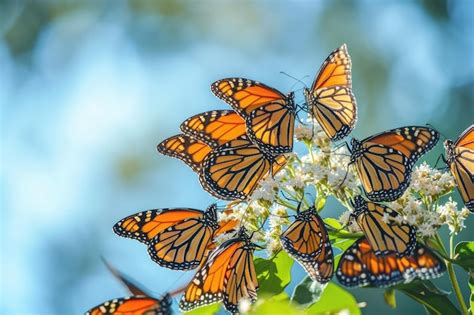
(452, 274)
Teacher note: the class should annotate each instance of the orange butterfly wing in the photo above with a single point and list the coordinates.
(176, 238)
(185, 148)
(461, 162)
(228, 276)
(214, 127)
(412, 142)
(307, 240)
(269, 115)
(384, 162)
(234, 170)
(134, 305)
(384, 237)
(359, 266)
(331, 99)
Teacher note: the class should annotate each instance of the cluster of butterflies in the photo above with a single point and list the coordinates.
(233, 150)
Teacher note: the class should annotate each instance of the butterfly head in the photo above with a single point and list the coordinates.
(211, 216)
(290, 100)
(306, 215)
(359, 204)
(355, 149)
(449, 147)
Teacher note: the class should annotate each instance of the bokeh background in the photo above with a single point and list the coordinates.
(88, 88)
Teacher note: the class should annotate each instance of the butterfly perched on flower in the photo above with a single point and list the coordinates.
(460, 159)
(330, 98)
(307, 241)
(228, 275)
(359, 266)
(383, 228)
(384, 162)
(177, 238)
(269, 115)
(229, 171)
(136, 305)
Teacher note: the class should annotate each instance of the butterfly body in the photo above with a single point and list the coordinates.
(228, 275)
(384, 237)
(359, 266)
(134, 305)
(384, 162)
(269, 115)
(460, 160)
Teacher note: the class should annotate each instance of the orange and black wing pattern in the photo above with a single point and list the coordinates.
(269, 115)
(189, 150)
(177, 238)
(384, 237)
(214, 127)
(330, 98)
(229, 276)
(307, 241)
(359, 266)
(134, 305)
(234, 170)
(384, 162)
(460, 159)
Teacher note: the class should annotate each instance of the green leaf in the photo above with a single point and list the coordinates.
(278, 304)
(306, 293)
(274, 274)
(333, 223)
(389, 297)
(335, 299)
(433, 299)
(464, 255)
(321, 203)
(206, 310)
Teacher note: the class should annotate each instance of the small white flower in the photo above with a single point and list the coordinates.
(245, 305)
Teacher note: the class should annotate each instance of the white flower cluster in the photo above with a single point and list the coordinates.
(420, 205)
(350, 224)
(278, 219)
(430, 182)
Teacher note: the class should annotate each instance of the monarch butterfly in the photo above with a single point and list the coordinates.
(385, 161)
(234, 170)
(384, 237)
(228, 275)
(214, 128)
(134, 305)
(177, 238)
(460, 159)
(330, 98)
(307, 241)
(359, 266)
(269, 115)
(230, 171)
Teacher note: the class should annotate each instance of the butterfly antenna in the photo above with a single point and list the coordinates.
(131, 285)
(289, 197)
(294, 78)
